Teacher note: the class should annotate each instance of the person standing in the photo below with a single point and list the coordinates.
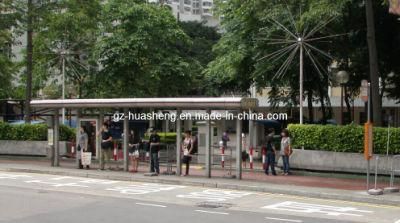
(286, 151)
(82, 145)
(225, 139)
(187, 148)
(134, 150)
(270, 152)
(106, 145)
(154, 142)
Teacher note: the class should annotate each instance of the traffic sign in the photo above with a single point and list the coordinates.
(364, 90)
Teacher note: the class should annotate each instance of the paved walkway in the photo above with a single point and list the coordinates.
(297, 184)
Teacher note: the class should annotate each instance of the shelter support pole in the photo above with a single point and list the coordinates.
(178, 143)
(100, 151)
(125, 138)
(208, 146)
(238, 149)
(56, 138)
(78, 127)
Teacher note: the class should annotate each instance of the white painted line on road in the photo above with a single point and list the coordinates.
(317, 208)
(284, 219)
(398, 221)
(212, 212)
(12, 176)
(152, 205)
(215, 195)
(147, 188)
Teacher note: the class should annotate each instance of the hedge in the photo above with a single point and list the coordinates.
(34, 132)
(169, 137)
(348, 138)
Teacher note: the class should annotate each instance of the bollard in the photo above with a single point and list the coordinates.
(223, 156)
(73, 150)
(115, 152)
(251, 157)
(264, 157)
(392, 188)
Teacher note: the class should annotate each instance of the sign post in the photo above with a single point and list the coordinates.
(368, 137)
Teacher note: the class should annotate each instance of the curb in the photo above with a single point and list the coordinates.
(377, 200)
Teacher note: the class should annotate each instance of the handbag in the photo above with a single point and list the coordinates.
(86, 158)
(288, 151)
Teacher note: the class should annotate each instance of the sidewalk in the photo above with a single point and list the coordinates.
(299, 185)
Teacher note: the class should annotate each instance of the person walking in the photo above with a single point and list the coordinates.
(286, 151)
(154, 142)
(187, 148)
(270, 152)
(133, 143)
(106, 145)
(82, 145)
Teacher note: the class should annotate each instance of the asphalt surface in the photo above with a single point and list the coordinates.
(40, 198)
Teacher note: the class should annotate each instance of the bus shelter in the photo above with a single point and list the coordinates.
(236, 104)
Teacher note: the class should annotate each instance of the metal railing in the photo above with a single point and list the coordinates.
(392, 170)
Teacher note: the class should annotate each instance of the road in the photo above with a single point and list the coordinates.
(41, 198)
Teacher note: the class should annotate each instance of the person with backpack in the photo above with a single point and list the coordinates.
(187, 148)
(270, 153)
(286, 151)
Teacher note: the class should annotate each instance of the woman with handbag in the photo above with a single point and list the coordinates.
(286, 151)
(187, 147)
(82, 145)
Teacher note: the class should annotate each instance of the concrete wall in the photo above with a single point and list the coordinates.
(335, 161)
(28, 148)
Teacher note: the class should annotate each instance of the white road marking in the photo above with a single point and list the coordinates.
(96, 181)
(212, 212)
(61, 178)
(56, 184)
(144, 188)
(398, 221)
(152, 205)
(316, 208)
(284, 219)
(215, 195)
(12, 176)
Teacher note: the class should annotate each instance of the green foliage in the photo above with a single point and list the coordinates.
(141, 52)
(168, 137)
(32, 132)
(348, 138)
(9, 18)
(66, 30)
(199, 53)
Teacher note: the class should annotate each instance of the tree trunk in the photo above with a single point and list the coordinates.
(373, 65)
(310, 106)
(29, 64)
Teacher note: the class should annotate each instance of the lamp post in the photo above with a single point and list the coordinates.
(342, 78)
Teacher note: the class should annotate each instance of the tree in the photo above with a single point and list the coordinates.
(251, 35)
(199, 54)
(141, 52)
(9, 18)
(66, 36)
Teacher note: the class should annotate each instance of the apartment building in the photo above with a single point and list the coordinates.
(194, 10)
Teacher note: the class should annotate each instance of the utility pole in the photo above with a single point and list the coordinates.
(300, 42)
(373, 65)
(29, 63)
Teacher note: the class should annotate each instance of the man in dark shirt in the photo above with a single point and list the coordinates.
(154, 142)
(106, 145)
